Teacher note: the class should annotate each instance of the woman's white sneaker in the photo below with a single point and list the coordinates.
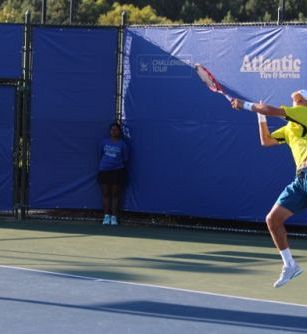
(106, 220)
(114, 220)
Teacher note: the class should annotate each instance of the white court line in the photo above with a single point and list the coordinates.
(96, 279)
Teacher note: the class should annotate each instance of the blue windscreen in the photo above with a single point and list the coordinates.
(7, 121)
(73, 103)
(11, 38)
(192, 154)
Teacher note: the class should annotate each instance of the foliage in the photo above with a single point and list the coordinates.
(204, 21)
(89, 11)
(135, 15)
(229, 18)
(154, 11)
(14, 11)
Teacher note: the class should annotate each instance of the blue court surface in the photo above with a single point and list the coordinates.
(41, 302)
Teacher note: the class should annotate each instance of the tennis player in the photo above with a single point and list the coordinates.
(293, 198)
(113, 153)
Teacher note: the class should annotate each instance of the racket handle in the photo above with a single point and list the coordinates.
(228, 97)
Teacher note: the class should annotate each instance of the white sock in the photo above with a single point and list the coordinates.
(287, 257)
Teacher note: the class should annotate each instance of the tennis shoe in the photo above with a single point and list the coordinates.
(114, 220)
(106, 220)
(287, 273)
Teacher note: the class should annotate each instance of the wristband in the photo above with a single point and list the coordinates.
(261, 118)
(248, 105)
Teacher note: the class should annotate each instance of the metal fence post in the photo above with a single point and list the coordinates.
(71, 11)
(120, 68)
(281, 12)
(24, 142)
(44, 11)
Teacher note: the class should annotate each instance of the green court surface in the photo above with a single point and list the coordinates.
(222, 263)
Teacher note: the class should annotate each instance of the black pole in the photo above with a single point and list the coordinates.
(120, 68)
(44, 11)
(71, 11)
(281, 12)
(24, 142)
(283, 8)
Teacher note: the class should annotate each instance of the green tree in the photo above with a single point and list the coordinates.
(267, 17)
(302, 18)
(204, 21)
(58, 12)
(294, 8)
(229, 18)
(9, 14)
(154, 11)
(217, 10)
(165, 8)
(14, 11)
(256, 9)
(135, 15)
(190, 12)
(88, 11)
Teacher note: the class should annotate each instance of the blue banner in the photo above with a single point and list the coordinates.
(192, 154)
(7, 118)
(73, 103)
(11, 37)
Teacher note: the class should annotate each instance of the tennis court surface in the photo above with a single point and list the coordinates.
(76, 278)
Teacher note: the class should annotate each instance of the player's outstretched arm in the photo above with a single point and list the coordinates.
(260, 108)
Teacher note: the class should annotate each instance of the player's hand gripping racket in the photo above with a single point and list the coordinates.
(207, 77)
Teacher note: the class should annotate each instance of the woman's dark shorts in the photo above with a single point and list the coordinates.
(113, 177)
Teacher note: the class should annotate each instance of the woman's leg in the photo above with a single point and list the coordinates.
(116, 193)
(106, 194)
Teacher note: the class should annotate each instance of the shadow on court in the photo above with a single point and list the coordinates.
(195, 314)
(230, 257)
(209, 315)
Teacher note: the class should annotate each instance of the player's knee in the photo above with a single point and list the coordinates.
(269, 220)
(272, 220)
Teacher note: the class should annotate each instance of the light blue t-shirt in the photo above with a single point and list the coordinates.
(113, 154)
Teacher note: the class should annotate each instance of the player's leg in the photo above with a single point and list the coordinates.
(290, 201)
(275, 221)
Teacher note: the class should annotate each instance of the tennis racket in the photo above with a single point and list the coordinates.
(208, 78)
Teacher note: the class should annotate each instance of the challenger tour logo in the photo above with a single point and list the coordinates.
(287, 67)
(166, 66)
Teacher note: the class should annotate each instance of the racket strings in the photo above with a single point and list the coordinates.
(208, 79)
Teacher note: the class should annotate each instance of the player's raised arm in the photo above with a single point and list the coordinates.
(265, 136)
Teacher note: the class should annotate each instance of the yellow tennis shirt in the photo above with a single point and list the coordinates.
(294, 133)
